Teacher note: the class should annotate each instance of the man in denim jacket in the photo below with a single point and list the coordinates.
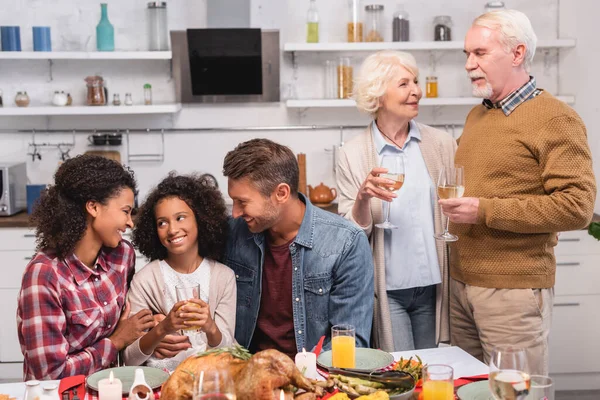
(299, 269)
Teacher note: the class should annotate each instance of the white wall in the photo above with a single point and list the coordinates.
(73, 26)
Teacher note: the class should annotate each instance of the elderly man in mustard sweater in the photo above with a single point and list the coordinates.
(528, 173)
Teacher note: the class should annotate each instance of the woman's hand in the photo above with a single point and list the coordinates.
(129, 329)
(372, 187)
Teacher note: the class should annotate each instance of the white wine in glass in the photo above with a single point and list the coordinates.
(509, 374)
(451, 185)
(394, 163)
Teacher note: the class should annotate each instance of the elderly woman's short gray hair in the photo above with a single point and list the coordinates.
(514, 28)
(375, 75)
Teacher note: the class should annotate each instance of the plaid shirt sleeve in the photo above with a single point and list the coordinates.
(42, 326)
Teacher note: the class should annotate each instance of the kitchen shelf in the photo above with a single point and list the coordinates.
(440, 101)
(414, 46)
(83, 55)
(91, 110)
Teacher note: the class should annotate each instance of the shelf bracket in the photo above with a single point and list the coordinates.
(547, 61)
(170, 70)
(50, 64)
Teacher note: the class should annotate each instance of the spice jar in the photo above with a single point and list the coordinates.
(400, 26)
(95, 91)
(128, 100)
(69, 99)
(494, 6)
(116, 99)
(431, 86)
(147, 94)
(442, 31)
(344, 78)
(373, 18)
(355, 26)
(22, 99)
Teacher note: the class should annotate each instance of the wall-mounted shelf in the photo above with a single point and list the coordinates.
(414, 46)
(440, 101)
(91, 110)
(85, 55)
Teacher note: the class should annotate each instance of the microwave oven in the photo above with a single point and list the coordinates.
(13, 187)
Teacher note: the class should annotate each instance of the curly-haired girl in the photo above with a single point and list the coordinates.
(182, 228)
(73, 290)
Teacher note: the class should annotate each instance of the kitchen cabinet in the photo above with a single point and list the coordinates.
(574, 348)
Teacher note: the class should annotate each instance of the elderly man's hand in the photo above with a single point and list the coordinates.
(461, 211)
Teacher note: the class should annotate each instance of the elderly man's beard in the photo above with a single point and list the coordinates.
(478, 91)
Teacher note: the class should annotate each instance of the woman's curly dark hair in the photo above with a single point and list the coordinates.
(208, 206)
(59, 215)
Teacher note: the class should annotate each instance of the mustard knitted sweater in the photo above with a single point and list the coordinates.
(532, 172)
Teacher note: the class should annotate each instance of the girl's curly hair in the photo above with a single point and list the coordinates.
(208, 206)
(59, 215)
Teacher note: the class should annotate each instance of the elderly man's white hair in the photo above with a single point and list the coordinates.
(375, 75)
(514, 28)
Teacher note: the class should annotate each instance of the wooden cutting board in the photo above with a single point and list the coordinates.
(110, 154)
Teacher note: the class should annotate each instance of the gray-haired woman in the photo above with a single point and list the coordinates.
(411, 269)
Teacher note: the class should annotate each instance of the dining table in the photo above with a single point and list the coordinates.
(464, 366)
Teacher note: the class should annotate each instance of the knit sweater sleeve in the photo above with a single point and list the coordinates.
(567, 176)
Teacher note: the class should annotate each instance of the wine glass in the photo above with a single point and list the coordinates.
(213, 384)
(509, 374)
(451, 184)
(394, 163)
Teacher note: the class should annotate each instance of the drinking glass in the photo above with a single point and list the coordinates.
(186, 292)
(395, 164)
(509, 374)
(451, 184)
(542, 388)
(343, 346)
(213, 384)
(438, 382)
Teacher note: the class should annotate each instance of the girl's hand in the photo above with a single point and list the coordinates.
(174, 321)
(196, 313)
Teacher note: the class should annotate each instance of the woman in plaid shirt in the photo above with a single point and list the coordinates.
(69, 307)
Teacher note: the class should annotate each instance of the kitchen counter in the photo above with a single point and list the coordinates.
(20, 220)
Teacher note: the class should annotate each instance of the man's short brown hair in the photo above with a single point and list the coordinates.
(265, 163)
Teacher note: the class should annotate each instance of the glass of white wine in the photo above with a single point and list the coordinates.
(451, 184)
(509, 374)
(394, 163)
(213, 384)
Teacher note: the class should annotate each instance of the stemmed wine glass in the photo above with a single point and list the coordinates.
(451, 184)
(509, 374)
(213, 384)
(394, 163)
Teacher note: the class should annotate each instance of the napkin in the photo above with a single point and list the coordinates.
(72, 382)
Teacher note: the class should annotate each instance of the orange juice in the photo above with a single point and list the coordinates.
(194, 305)
(438, 390)
(343, 352)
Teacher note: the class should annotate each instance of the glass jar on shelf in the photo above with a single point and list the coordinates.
(147, 94)
(128, 99)
(494, 6)
(344, 78)
(329, 83)
(354, 27)
(400, 25)
(431, 87)
(442, 28)
(158, 30)
(312, 23)
(22, 99)
(373, 22)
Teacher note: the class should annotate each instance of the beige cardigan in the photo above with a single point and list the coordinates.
(357, 158)
(147, 291)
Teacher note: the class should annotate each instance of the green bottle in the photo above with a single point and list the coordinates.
(105, 32)
(312, 23)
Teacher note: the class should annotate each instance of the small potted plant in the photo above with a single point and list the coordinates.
(594, 230)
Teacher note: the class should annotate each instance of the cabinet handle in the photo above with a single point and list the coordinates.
(570, 240)
(567, 304)
(29, 235)
(568, 264)
(28, 258)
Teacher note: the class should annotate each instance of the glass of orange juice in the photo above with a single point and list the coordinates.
(438, 382)
(186, 292)
(343, 346)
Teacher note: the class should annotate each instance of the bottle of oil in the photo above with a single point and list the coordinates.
(312, 23)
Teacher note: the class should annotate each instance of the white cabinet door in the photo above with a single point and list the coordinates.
(13, 265)
(17, 239)
(574, 335)
(577, 275)
(10, 351)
